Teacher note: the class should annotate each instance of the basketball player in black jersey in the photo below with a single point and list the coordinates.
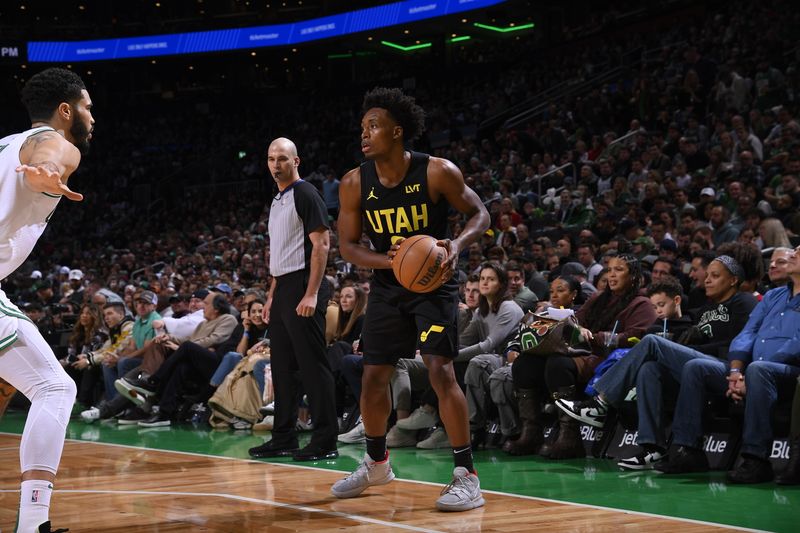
(398, 194)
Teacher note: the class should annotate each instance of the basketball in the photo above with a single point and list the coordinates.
(297, 156)
(417, 264)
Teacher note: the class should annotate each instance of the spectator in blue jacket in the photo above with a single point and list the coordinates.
(764, 362)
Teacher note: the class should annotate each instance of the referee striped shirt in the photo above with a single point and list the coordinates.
(296, 212)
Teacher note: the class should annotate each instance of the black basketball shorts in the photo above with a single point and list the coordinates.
(398, 322)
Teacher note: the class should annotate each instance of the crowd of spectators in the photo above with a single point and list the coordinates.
(693, 153)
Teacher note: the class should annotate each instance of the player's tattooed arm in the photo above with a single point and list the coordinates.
(47, 165)
(35, 140)
(47, 162)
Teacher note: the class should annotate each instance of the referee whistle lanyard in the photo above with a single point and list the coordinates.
(281, 194)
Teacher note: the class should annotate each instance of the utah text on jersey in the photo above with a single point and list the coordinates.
(398, 219)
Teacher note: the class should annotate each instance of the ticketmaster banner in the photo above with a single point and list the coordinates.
(254, 37)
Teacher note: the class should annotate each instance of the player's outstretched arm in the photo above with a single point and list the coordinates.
(47, 162)
(446, 180)
(349, 225)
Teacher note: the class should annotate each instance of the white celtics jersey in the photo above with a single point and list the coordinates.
(24, 214)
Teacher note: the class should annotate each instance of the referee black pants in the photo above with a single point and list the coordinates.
(297, 345)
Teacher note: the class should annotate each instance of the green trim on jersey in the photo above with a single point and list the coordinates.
(8, 341)
(5, 310)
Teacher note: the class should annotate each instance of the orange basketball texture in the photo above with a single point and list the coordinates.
(418, 264)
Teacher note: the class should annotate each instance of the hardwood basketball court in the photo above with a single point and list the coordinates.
(108, 487)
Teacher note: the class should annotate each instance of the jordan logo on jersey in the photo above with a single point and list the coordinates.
(433, 329)
(371, 195)
(398, 220)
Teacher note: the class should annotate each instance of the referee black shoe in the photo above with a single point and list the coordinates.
(273, 449)
(45, 528)
(315, 452)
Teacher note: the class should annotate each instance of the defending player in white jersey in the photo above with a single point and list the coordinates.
(34, 168)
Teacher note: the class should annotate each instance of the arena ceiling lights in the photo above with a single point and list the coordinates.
(410, 48)
(405, 12)
(508, 29)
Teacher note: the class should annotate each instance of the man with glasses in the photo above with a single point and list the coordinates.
(778, 276)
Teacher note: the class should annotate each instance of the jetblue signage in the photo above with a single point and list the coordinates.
(256, 37)
(592, 440)
(720, 449)
(623, 444)
(779, 455)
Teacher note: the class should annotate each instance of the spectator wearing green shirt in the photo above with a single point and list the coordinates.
(141, 336)
(143, 331)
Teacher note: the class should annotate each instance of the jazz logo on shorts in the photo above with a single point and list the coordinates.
(433, 329)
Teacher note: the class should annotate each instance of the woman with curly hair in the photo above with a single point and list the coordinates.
(609, 320)
(88, 335)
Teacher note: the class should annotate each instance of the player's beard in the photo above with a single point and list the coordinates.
(80, 133)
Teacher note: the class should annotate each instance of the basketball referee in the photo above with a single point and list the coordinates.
(295, 310)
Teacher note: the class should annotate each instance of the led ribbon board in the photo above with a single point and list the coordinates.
(256, 37)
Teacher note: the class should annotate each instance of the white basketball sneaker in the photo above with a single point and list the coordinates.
(462, 494)
(90, 415)
(368, 473)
